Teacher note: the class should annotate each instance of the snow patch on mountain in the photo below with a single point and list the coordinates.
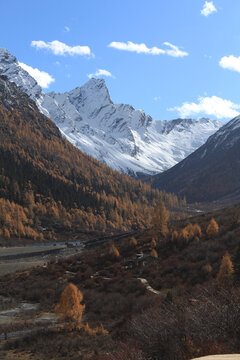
(126, 139)
(226, 137)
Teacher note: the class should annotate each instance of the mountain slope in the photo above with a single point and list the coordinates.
(211, 172)
(126, 139)
(39, 167)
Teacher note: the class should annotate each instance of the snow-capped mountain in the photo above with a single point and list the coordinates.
(10, 67)
(225, 138)
(126, 139)
(212, 172)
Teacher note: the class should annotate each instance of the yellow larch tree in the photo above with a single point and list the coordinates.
(113, 252)
(160, 219)
(69, 308)
(225, 274)
(154, 253)
(212, 228)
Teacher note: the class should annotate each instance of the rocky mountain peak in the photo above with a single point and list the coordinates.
(6, 57)
(126, 139)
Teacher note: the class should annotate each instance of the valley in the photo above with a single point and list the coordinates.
(119, 233)
(21, 258)
(179, 268)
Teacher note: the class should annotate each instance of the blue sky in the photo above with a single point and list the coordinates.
(188, 64)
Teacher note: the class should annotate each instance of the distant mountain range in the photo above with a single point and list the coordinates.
(126, 139)
(210, 173)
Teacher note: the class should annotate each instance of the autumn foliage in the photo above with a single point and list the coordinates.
(132, 242)
(184, 236)
(70, 309)
(113, 252)
(160, 219)
(154, 253)
(212, 228)
(42, 174)
(225, 274)
(153, 243)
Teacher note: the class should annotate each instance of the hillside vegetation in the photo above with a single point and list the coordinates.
(45, 182)
(187, 305)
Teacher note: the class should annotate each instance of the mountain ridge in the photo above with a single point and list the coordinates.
(126, 139)
(210, 173)
(45, 175)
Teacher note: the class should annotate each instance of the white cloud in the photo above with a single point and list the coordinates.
(208, 8)
(210, 106)
(67, 28)
(59, 48)
(230, 62)
(42, 77)
(101, 72)
(143, 49)
(157, 98)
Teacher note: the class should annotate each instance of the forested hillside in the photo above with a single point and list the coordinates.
(43, 176)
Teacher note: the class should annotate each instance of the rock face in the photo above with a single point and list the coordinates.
(10, 67)
(126, 139)
(210, 173)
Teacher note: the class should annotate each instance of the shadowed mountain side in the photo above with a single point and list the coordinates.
(211, 172)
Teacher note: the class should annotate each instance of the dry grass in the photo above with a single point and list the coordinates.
(7, 267)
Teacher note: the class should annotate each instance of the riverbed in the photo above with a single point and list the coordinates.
(20, 258)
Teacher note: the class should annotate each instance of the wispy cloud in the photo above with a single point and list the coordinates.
(101, 72)
(42, 77)
(59, 48)
(67, 28)
(210, 106)
(143, 49)
(230, 62)
(157, 98)
(208, 8)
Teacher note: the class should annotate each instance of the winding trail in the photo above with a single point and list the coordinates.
(148, 287)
